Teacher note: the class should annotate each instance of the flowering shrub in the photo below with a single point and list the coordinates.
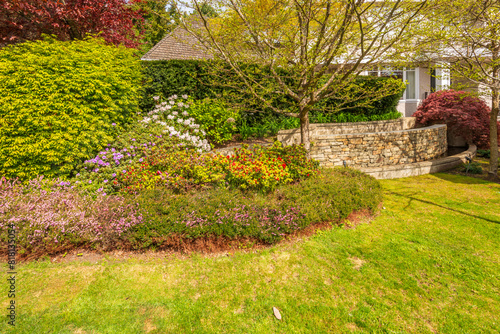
(174, 115)
(464, 114)
(54, 215)
(167, 126)
(246, 171)
(173, 168)
(267, 167)
(294, 157)
(218, 121)
(268, 217)
(217, 211)
(268, 225)
(129, 149)
(262, 168)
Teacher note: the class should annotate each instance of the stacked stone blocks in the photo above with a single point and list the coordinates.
(372, 144)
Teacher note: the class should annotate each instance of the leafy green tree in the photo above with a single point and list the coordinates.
(160, 18)
(468, 44)
(310, 50)
(208, 10)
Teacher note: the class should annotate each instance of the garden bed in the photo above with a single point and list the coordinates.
(209, 219)
(210, 245)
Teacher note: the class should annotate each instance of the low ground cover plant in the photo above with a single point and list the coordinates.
(483, 153)
(53, 216)
(472, 168)
(267, 217)
(259, 168)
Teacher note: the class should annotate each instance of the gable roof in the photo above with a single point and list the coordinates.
(179, 44)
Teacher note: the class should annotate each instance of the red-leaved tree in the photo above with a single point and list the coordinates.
(465, 115)
(22, 20)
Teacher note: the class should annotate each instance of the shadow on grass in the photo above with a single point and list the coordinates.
(442, 206)
(464, 179)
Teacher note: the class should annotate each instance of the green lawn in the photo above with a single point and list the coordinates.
(430, 263)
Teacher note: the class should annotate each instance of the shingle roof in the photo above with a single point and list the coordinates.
(179, 44)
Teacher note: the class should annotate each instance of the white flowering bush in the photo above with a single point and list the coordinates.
(168, 125)
(174, 116)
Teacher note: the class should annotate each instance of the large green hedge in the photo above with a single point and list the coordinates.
(196, 78)
(174, 77)
(62, 101)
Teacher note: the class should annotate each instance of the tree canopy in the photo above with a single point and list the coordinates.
(22, 20)
(160, 18)
(468, 44)
(311, 49)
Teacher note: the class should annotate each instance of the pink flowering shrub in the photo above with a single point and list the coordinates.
(267, 217)
(465, 115)
(266, 224)
(53, 216)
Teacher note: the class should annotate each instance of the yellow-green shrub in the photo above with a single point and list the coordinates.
(216, 119)
(60, 102)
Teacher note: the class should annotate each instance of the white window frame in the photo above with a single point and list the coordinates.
(443, 79)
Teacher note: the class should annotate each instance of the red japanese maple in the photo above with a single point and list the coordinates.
(22, 20)
(466, 115)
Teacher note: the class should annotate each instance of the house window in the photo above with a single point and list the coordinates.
(443, 78)
(411, 84)
(408, 75)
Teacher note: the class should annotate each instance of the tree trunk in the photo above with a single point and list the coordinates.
(304, 131)
(495, 104)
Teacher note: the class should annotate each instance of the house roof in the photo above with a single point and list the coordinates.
(179, 44)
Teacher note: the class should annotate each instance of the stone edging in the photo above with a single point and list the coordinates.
(420, 168)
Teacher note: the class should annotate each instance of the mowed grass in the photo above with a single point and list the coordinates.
(429, 263)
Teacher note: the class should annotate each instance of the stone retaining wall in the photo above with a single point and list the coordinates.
(384, 143)
(290, 137)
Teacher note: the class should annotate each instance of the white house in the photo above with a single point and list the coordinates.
(420, 81)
